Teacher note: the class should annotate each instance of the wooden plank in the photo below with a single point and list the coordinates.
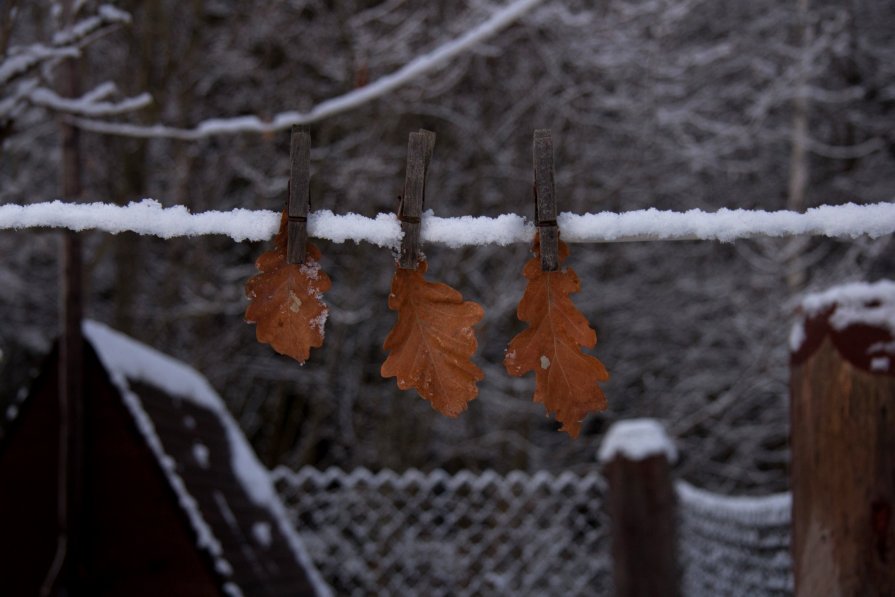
(842, 385)
(420, 146)
(299, 195)
(545, 199)
(642, 507)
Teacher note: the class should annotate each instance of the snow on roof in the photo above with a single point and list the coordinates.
(855, 303)
(637, 439)
(127, 360)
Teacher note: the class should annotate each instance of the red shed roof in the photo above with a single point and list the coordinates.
(227, 494)
(159, 445)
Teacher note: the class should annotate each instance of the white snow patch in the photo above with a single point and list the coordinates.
(849, 221)
(503, 230)
(105, 15)
(853, 304)
(879, 363)
(20, 59)
(384, 230)
(319, 322)
(882, 347)
(767, 510)
(12, 411)
(420, 65)
(796, 336)
(205, 537)
(201, 454)
(852, 293)
(226, 511)
(261, 533)
(223, 567)
(545, 362)
(128, 360)
(144, 217)
(882, 316)
(310, 269)
(149, 217)
(87, 105)
(637, 439)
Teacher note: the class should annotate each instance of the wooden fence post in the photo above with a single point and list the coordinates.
(842, 413)
(636, 456)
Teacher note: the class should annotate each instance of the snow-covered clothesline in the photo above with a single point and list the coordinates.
(149, 217)
(421, 65)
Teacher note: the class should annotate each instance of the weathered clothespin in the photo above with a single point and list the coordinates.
(420, 146)
(299, 195)
(545, 200)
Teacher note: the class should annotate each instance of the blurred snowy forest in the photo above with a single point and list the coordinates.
(673, 104)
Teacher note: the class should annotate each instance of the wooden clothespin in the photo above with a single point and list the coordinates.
(420, 146)
(299, 195)
(545, 200)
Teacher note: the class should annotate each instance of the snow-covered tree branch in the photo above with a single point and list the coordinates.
(253, 124)
(24, 82)
(91, 103)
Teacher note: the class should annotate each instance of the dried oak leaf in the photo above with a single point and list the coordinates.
(286, 300)
(433, 341)
(565, 378)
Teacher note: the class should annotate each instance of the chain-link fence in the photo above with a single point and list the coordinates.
(734, 545)
(521, 534)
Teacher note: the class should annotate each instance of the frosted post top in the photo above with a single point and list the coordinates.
(637, 439)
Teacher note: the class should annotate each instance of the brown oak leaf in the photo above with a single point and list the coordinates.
(286, 300)
(565, 378)
(433, 341)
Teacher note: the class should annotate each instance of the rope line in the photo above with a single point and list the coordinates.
(149, 217)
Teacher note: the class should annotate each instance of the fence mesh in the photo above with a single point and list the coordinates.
(521, 534)
(463, 534)
(734, 545)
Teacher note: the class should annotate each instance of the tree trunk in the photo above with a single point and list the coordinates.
(64, 571)
(798, 162)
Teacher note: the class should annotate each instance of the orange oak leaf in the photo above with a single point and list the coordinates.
(285, 300)
(565, 378)
(433, 341)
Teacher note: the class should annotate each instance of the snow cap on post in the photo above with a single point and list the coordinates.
(859, 320)
(637, 439)
(545, 199)
(420, 146)
(299, 195)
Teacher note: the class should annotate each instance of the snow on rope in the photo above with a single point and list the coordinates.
(498, 21)
(149, 217)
